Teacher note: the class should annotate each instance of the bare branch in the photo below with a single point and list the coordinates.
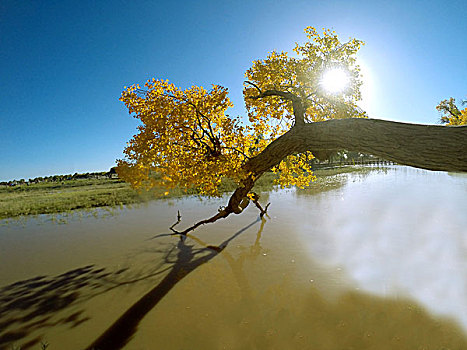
(254, 85)
(179, 218)
(220, 215)
(298, 110)
(273, 92)
(258, 205)
(238, 151)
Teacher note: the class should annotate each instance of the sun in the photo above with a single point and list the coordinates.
(335, 80)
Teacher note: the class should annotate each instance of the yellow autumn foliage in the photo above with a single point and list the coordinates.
(187, 137)
(451, 114)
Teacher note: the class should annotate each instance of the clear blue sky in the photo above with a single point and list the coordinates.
(63, 64)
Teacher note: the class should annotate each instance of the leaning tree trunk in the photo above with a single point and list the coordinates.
(429, 147)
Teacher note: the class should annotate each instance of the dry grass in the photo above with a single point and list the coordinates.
(51, 198)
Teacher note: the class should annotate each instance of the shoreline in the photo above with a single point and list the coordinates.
(69, 196)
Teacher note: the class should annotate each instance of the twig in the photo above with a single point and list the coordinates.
(255, 200)
(220, 215)
(179, 218)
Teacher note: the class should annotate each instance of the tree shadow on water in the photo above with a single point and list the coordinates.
(30, 307)
(187, 260)
(41, 302)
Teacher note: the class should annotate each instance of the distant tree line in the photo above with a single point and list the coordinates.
(111, 174)
(338, 158)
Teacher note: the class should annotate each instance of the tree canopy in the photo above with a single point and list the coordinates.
(188, 138)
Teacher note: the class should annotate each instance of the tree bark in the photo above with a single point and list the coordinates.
(431, 147)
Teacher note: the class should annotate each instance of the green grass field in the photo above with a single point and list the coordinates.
(58, 197)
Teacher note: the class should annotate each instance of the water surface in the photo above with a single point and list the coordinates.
(378, 263)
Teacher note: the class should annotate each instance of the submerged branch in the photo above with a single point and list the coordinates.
(179, 219)
(220, 215)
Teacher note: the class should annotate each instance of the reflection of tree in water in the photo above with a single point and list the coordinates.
(186, 261)
(282, 316)
(272, 320)
(236, 264)
(333, 182)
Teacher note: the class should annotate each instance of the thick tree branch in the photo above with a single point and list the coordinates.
(431, 147)
(298, 110)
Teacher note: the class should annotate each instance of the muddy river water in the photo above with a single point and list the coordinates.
(377, 263)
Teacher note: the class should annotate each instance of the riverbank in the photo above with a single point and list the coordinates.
(69, 195)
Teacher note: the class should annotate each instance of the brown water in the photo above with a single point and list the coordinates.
(380, 263)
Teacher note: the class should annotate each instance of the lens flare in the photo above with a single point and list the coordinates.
(335, 80)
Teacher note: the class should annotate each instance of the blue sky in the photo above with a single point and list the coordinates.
(63, 64)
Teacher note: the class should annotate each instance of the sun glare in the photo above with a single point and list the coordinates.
(335, 80)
